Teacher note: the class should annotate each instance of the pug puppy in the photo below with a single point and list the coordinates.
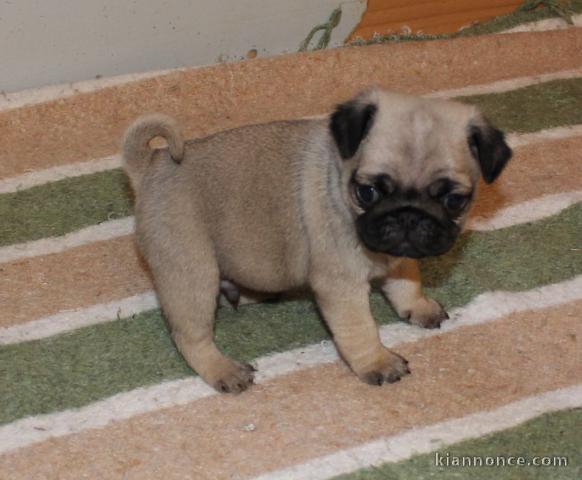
(329, 203)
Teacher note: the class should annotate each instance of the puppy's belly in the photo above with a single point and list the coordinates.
(264, 273)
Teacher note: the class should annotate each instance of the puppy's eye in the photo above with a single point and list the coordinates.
(367, 195)
(455, 201)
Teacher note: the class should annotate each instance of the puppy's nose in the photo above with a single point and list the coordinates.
(408, 220)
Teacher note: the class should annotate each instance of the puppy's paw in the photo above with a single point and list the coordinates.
(390, 368)
(235, 379)
(426, 313)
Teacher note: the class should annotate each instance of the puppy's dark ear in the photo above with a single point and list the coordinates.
(489, 148)
(349, 125)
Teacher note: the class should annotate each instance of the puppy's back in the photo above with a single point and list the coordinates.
(250, 182)
(244, 188)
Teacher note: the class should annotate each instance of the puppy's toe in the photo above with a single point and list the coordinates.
(427, 313)
(389, 369)
(236, 380)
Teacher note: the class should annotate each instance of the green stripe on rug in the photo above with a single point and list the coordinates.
(82, 366)
(68, 205)
(62, 207)
(554, 437)
(537, 107)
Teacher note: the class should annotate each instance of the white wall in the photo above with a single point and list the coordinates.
(45, 42)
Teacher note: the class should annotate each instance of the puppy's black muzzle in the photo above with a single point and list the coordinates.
(406, 232)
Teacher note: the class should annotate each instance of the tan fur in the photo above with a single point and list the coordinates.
(402, 286)
(136, 146)
(428, 129)
(268, 207)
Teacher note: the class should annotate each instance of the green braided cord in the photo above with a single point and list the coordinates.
(327, 28)
(553, 5)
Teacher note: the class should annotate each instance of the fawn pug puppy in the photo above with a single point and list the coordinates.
(330, 204)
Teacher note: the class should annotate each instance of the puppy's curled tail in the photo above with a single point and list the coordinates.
(136, 148)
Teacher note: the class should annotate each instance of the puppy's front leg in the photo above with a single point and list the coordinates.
(347, 312)
(402, 286)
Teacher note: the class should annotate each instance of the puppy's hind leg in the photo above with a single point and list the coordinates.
(187, 281)
(403, 288)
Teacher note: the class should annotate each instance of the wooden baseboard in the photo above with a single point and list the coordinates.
(427, 16)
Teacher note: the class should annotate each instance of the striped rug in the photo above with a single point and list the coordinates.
(91, 385)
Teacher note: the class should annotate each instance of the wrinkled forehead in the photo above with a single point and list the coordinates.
(415, 140)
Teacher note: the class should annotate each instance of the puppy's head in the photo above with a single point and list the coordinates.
(412, 165)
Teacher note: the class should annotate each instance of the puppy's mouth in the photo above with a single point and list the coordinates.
(407, 232)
